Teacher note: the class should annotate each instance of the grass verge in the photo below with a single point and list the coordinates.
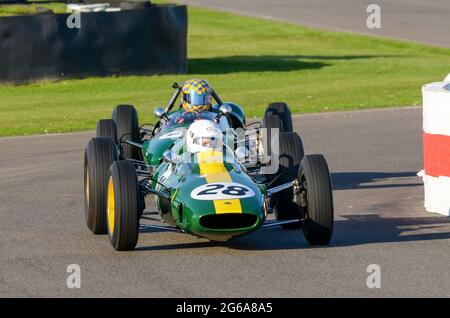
(24, 9)
(249, 61)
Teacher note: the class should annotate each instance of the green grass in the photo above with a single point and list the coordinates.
(249, 61)
(22, 9)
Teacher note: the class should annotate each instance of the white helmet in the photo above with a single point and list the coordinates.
(204, 135)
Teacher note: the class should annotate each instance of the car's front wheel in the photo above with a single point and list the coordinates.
(316, 191)
(99, 154)
(123, 206)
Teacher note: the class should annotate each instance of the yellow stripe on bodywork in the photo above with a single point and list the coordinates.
(228, 206)
(174, 195)
(213, 169)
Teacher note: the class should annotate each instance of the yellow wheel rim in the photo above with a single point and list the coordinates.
(110, 208)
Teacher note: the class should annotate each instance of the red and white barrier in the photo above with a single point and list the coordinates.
(436, 146)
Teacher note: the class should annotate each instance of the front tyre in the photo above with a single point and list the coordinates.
(99, 154)
(316, 190)
(123, 206)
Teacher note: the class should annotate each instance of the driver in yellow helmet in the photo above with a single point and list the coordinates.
(196, 96)
(195, 101)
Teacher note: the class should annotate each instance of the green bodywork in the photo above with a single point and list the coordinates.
(180, 179)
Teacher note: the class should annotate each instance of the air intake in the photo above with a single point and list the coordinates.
(228, 221)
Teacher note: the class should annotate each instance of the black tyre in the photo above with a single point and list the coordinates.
(270, 123)
(290, 155)
(123, 206)
(283, 112)
(99, 154)
(315, 181)
(126, 119)
(106, 128)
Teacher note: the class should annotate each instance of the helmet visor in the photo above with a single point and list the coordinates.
(198, 99)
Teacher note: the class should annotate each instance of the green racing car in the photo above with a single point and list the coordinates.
(211, 173)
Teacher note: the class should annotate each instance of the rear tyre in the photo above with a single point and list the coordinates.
(106, 128)
(315, 181)
(270, 123)
(290, 155)
(283, 112)
(123, 206)
(126, 119)
(99, 154)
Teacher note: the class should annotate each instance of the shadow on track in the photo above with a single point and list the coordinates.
(354, 230)
(366, 180)
(350, 231)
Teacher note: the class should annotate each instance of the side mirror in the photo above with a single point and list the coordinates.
(241, 154)
(225, 110)
(159, 112)
(170, 157)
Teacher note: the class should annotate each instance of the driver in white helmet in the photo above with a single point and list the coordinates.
(204, 135)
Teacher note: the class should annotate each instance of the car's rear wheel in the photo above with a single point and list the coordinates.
(99, 154)
(126, 120)
(290, 155)
(123, 206)
(282, 111)
(273, 127)
(106, 128)
(315, 183)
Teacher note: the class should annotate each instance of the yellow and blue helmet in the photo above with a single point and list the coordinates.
(196, 95)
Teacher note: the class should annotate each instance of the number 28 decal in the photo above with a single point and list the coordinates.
(222, 191)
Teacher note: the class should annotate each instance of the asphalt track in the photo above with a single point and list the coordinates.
(374, 157)
(414, 20)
